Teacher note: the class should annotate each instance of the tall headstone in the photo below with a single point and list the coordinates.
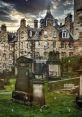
(23, 86)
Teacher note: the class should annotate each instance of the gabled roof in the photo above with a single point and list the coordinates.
(71, 38)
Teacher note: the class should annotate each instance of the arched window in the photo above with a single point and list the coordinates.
(45, 44)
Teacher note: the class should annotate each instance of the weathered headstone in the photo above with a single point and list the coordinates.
(54, 68)
(23, 87)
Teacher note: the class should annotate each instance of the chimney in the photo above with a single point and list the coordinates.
(3, 28)
(23, 22)
(60, 24)
(35, 23)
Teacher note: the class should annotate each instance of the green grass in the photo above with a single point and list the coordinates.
(58, 105)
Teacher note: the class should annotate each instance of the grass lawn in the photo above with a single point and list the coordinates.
(58, 105)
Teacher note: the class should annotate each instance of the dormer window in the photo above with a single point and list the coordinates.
(65, 34)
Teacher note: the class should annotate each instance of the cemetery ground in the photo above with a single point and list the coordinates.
(58, 104)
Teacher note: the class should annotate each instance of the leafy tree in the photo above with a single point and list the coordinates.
(70, 65)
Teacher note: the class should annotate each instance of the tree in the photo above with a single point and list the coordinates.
(70, 65)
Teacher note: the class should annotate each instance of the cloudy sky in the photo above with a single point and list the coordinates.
(11, 11)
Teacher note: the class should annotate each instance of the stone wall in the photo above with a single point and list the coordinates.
(56, 85)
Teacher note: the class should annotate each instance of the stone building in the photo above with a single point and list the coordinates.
(37, 42)
(53, 37)
(5, 63)
(78, 19)
(78, 26)
(22, 45)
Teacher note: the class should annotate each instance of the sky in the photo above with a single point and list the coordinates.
(11, 11)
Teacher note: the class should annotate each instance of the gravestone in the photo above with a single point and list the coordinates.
(38, 93)
(23, 86)
(79, 97)
(54, 69)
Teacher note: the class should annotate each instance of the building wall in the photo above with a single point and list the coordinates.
(77, 19)
(78, 26)
(22, 46)
(5, 62)
(48, 41)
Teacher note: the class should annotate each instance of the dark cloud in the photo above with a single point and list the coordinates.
(63, 7)
(5, 13)
(34, 7)
(31, 6)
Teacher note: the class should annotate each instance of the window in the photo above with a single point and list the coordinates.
(37, 44)
(65, 45)
(22, 52)
(30, 33)
(29, 55)
(70, 53)
(10, 56)
(54, 44)
(4, 66)
(70, 45)
(54, 34)
(29, 44)
(63, 54)
(37, 54)
(21, 44)
(4, 55)
(22, 37)
(45, 44)
(0, 52)
(65, 34)
(62, 44)
(46, 54)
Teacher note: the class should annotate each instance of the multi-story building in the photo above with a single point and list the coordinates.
(37, 42)
(5, 63)
(78, 26)
(22, 46)
(53, 37)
